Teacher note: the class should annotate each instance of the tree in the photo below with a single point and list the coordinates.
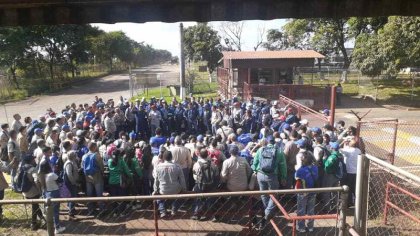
(391, 48)
(276, 40)
(201, 42)
(260, 37)
(232, 35)
(13, 47)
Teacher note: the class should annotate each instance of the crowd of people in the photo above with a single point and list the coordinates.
(197, 145)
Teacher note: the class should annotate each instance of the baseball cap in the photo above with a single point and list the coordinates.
(316, 129)
(65, 127)
(200, 138)
(326, 112)
(334, 145)
(304, 122)
(132, 135)
(38, 130)
(233, 149)
(301, 143)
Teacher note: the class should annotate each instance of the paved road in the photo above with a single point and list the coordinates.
(112, 86)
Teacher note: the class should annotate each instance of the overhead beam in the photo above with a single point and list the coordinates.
(36, 12)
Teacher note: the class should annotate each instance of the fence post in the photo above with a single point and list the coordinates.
(333, 101)
(362, 193)
(50, 212)
(155, 216)
(343, 211)
(394, 142)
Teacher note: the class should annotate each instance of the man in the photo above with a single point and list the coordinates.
(14, 155)
(330, 179)
(224, 131)
(4, 139)
(206, 176)
(351, 156)
(192, 118)
(182, 156)
(110, 124)
(22, 140)
(270, 166)
(158, 139)
(93, 168)
(235, 171)
(16, 123)
(169, 180)
(290, 152)
(155, 118)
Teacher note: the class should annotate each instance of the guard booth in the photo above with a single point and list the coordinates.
(267, 74)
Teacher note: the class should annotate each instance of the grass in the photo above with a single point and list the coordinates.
(386, 91)
(201, 88)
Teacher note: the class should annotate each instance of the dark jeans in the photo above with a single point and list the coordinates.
(115, 190)
(73, 193)
(36, 211)
(350, 181)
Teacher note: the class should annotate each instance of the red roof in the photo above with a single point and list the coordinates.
(284, 54)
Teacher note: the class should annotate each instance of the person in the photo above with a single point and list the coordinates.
(52, 191)
(14, 155)
(169, 180)
(71, 178)
(119, 176)
(235, 171)
(216, 117)
(330, 179)
(155, 118)
(206, 175)
(306, 177)
(22, 140)
(339, 92)
(351, 156)
(270, 166)
(110, 125)
(93, 168)
(182, 156)
(4, 139)
(224, 131)
(28, 167)
(290, 152)
(16, 122)
(3, 185)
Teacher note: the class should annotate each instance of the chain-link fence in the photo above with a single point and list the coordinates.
(394, 141)
(393, 201)
(220, 213)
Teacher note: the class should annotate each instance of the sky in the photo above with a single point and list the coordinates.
(166, 35)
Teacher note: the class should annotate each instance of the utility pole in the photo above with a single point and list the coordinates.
(182, 63)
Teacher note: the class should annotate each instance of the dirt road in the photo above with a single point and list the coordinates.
(112, 86)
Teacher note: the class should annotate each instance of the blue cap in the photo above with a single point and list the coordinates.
(65, 127)
(38, 130)
(334, 145)
(316, 130)
(172, 140)
(233, 149)
(200, 138)
(132, 135)
(326, 112)
(286, 126)
(301, 143)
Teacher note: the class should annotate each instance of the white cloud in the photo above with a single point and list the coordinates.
(166, 35)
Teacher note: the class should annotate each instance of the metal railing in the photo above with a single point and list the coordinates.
(160, 225)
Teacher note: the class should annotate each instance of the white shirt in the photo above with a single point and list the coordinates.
(181, 156)
(51, 182)
(351, 156)
(236, 172)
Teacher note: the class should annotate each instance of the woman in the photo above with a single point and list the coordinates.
(52, 191)
(134, 167)
(119, 176)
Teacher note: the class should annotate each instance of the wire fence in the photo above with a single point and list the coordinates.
(220, 213)
(393, 201)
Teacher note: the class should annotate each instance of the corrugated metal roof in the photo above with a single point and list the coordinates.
(283, 54)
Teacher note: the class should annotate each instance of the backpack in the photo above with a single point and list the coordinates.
(207, 177)
(341, 170)
(268, 160)
(23, 184)
(89, 165)
(215, 157)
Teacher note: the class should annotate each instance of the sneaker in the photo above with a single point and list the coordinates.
(311, 229)
(301, 230)
(60, 230)
(34, 226)
(174, 213)
(163, 215)
(215, 219)
(195, 218)
(203, 218)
